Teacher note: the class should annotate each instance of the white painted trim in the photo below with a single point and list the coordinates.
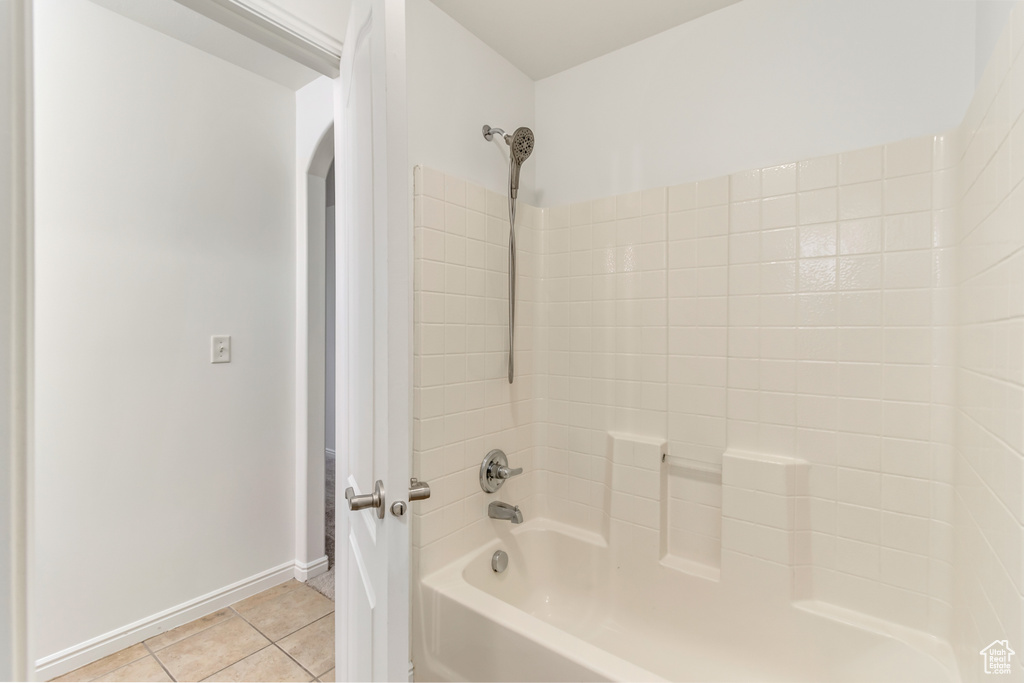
(276, 13)
(305, 571)
(391, 51)
(276, 28)
(310, 349)
(16, 333)
(342, 240)
(79, 655)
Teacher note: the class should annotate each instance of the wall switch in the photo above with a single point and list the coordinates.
(220, 349)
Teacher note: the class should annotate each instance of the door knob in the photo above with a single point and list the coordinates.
(367, 500)
(418, 490)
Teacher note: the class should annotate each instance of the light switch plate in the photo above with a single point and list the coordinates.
(220, 348)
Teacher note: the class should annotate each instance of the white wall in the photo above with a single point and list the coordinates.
(165, 215)
(757, 83)
(990, 20)
(456, 84)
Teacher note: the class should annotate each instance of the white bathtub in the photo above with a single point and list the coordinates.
(566, 609)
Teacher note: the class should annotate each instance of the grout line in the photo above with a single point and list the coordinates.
(239, 615)
(286, 654)
(153, 655)
(105, 673)
(231, 608)
(243, 658)
(302, 627)
(298, 585)
(255, 628)
(270, 643)
(186, 637)
(273, 642)
(290, 632)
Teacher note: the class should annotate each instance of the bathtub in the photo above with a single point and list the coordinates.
(567, 609)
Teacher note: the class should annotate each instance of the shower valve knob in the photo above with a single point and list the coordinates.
(507, 473)
(494, 470)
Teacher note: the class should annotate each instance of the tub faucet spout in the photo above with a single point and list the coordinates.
(499, 510)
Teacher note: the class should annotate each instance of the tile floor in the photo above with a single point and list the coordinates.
(285, 633)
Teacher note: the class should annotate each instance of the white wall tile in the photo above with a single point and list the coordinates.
(817, 173)
(778, 180)
(818, 240)
(682, 197)
(818, 206)
(908, 157)
(860, 166)
(908, 193)
(745, 185)
(860, 236)
(713, 192)
(862, 200)
(778, 211)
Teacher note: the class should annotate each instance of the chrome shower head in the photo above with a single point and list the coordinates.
(520, 144)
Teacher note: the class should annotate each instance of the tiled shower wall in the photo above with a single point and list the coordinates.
(604, 287)
(463, 403)
(836, 357)
(807, 310)
(989, 500)
(798, 310)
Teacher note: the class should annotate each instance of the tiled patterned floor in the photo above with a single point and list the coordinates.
(285, 633)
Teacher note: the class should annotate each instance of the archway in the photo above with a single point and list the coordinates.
(314, 405)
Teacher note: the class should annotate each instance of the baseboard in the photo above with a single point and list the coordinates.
(79, 655)
(305, 571)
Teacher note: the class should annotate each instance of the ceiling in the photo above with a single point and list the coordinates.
(544, 37)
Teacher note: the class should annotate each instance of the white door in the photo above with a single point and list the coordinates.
(374, 337)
